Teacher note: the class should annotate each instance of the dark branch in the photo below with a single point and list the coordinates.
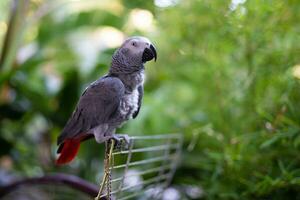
(67, 180)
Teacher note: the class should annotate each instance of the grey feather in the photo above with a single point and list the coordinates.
(97, 105)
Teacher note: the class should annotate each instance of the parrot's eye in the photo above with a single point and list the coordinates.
(134, 44)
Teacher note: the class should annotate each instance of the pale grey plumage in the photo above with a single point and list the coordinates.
(114, 98)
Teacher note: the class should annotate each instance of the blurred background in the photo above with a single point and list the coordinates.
(227, 77)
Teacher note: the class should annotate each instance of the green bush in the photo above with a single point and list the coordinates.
(227, 77)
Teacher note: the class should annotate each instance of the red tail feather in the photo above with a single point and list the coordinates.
(69, 150)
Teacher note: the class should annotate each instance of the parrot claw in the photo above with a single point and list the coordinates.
(122, 141)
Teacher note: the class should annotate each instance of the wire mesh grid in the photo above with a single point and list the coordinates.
(144, 168)
(140, 171)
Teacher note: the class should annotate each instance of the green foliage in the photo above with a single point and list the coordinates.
(226, 77)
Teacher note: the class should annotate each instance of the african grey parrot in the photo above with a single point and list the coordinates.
(109, 101)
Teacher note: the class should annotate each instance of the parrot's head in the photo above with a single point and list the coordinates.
(134, 52)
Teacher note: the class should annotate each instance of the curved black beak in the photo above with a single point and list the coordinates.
(153, 49)
(149, 54)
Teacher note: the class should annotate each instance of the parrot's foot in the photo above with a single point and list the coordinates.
(122, 141)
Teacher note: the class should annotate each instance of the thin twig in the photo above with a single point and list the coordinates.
(107, 169)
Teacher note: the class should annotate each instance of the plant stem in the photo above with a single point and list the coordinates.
(14, 32)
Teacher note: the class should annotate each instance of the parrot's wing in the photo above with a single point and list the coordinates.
(97, 105)
(141, 94)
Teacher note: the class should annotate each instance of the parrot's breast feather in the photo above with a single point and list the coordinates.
(129, 104)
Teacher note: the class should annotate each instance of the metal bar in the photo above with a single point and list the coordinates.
(142, 162)
(167, 153)
(148, 149)
(127, 165)
(137, 194)
(142, 183)
(151, 180)
(156, 169)
(154, 137)
(133, 195)
(175, 162)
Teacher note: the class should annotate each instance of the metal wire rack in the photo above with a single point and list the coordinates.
(139, 171)
(143, 169)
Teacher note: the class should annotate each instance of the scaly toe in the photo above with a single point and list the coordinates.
(122, 141)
